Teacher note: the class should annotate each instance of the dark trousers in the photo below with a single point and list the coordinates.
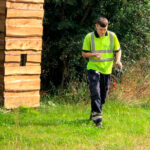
(99, 85)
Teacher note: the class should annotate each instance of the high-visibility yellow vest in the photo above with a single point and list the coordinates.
(106, 45)
(109, 52)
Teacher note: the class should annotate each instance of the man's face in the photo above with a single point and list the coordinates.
(101, 30)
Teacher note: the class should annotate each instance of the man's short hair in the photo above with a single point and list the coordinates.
(103, 22)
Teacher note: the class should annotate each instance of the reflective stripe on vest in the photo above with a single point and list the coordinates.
(102, 51)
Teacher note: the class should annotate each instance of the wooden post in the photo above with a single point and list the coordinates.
(21, 30)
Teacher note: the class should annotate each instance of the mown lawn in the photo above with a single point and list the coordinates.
(67, 127)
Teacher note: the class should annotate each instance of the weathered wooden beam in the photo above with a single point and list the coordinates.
(26, 6)
(21, 100)
(32, 57)
(31, 43)
(22, 70)
(17, 64)
(17, 52)
(12, 58)
(22, 83)
(24, 23)
(23, 93)
(32, 64)
(27, 1)
(24, 32)
(10, 64)
(18, 78)
(18, 13)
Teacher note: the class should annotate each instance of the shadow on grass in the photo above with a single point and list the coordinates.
(26, 117)
(46, 123)
(57, 122)
(78, 122)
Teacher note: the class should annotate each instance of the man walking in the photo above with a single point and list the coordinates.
(99, 47)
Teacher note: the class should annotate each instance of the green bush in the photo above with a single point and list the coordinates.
(66, 22)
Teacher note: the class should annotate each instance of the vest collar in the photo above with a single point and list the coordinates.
(96, 34)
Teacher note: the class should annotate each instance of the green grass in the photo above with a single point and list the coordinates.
(66, 127)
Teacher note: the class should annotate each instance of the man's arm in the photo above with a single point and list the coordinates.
(89, 54)
(118, 59)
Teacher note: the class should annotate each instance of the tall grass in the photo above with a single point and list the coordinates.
(135, 83)
(132, 87)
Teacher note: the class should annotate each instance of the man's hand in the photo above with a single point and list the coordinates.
(119, 64)
(98, 55)
(118, 58)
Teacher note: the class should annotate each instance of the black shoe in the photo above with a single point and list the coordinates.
(99, 125)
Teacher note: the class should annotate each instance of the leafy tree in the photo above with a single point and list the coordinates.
(67, 21)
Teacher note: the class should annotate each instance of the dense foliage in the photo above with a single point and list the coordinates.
(66, 22)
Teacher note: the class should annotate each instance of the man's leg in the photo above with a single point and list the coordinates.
(104, 87)
(94, 85)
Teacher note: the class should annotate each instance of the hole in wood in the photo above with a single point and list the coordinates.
(23, 60)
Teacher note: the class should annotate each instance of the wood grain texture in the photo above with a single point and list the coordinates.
(18, 52)
(32, 43)
(14, 13)
(18, 78)
(25, 100)
(10, 64)
(11, 57)
(25, 6)
(33, 58)
(27, 1)
(24, 23)
(17, 64)
(21, 83)
(33, 64)
(22, 70)
(24, 31)
(23, 93)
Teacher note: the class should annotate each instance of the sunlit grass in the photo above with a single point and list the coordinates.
(67, 127)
